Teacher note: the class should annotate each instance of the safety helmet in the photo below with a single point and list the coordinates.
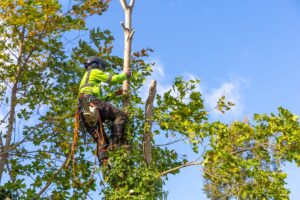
(94, 62)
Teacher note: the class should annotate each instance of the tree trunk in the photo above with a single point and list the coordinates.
(128, 36)
(148, 123)
(4, 154)
(13, 103)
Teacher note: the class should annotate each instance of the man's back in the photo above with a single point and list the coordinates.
(92, 79)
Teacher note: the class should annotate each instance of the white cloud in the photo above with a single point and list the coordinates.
(158, 74)
(158, 70)
(232, 90)
(191, 76)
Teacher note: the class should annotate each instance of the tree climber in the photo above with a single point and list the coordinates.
(90, 94)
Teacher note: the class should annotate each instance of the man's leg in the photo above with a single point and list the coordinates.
(118, 118)
(101, 148)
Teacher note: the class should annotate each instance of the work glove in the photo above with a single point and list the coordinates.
(128, 73)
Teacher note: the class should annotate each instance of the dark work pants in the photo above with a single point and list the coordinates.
(109, 112)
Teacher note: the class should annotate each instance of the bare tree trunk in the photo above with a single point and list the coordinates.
(128, 36)
(148, 123)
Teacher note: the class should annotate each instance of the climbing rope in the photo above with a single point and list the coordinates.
(102, 143)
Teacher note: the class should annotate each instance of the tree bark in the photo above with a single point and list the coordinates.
(128, 36)
(148, 123)
(8, 137)
(11, 119)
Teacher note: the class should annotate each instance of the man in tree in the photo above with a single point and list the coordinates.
(90, 92)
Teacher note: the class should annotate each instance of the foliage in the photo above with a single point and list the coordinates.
(34, 75)
(245, 160)
(128, 177)
(239, 160)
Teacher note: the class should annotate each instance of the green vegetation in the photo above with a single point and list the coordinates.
(39, 86)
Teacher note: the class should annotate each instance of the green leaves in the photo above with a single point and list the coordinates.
(239, 160)
(223, 106)
(130, 178)
(45, 83)
(245, 160)
(181, 110)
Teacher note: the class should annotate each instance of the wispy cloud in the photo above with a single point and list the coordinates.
(158, 74)
(232, 89)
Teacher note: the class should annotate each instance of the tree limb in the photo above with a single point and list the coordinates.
(131, 34)
(2, 120)
(52, 178)
(172, 142)
(131, 4)
(123, 26)
(14, 145)
(192, 163)
(124, 4)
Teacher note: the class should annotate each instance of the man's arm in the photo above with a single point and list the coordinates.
(111, 78)
(119, 78)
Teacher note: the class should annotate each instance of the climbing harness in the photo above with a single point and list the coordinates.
(98, 135)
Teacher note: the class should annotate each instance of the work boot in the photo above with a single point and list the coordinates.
(102, 153)
(115, 141)
(103, 157)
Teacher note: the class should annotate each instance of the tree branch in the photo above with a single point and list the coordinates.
(172, 142)
(124, 4)
(1, 144)
(131, 4)
(52, 178)
(14, 146)
(192, 163)
(131, 34)
(10, 51)
(123, 26)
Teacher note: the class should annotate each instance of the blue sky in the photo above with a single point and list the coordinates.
(248, 50)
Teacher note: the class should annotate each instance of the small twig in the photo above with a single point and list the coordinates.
(249, 149)
(2, 120)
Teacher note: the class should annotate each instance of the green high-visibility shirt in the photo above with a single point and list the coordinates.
(91, 82)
